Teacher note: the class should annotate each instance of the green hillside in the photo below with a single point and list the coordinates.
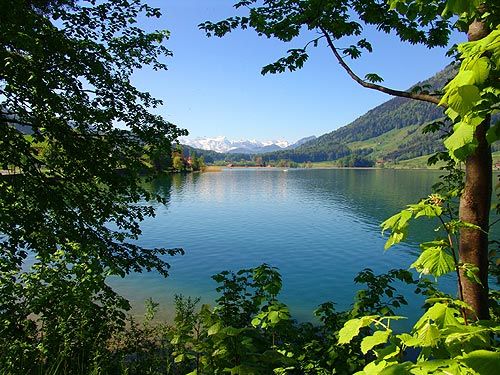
(390, 131)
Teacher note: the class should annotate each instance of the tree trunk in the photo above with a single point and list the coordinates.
(475, 209)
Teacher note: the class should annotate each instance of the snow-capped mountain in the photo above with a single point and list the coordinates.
(224, 145)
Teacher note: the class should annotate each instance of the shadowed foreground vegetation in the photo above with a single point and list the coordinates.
(249, 331)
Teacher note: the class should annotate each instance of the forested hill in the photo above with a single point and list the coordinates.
(396, 113)
(391, 131)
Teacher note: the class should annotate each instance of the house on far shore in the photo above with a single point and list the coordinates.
(497, 166)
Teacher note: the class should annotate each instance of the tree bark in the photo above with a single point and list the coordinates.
(475, 209)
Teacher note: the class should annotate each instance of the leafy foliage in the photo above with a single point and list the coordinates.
(69, 214)
(473, 92)
(250, 331)
(446, 344)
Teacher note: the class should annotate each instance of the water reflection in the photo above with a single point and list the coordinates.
(320, 227)
(161, 185)
(371, 195)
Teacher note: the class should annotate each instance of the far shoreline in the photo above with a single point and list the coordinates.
(332, 167)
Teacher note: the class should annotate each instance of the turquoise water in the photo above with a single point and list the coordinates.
(319, 227)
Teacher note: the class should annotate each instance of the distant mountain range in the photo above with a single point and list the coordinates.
(222, 144)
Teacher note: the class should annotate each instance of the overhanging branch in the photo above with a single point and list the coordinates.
(373, 86)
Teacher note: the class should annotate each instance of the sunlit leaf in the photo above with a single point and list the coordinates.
(378, 337)
(351, 328)
(483, 362)
(435, 260)
(462, 142)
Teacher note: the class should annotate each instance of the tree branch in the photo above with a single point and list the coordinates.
(457, 268)
(313, 41)
(373, 86)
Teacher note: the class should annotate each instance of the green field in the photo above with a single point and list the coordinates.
(387, 142)
(415, 163)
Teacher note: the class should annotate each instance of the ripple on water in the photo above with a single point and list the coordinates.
(319, 227)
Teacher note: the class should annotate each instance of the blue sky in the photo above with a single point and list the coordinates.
(214, 87)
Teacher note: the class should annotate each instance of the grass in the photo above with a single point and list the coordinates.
(212, 168)
(415, 163)
(325, 164)
(387, 142)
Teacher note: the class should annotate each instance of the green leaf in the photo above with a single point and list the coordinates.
(394, 3)
(372, 77)
(431, 367)
(274, 317)
(351, 328)
(453, 115)
(455, 225)
(471, 271)
(462, 143)
(441, 315)
(175, 340)
(363, 43)
(409, 340)
(461, 93)
(390, 222)
(427, 208)
(467, 337)
(493, 133)
(395, 238)
(214, 329)
(469, 95)
(232, 331)
(398, 224)
(375, 368)
(388, 352)
(483, 362)
(256, 322)
(379, 337)
(481, 69)
(449, 302)
(434, 260)
(397, 369)
(460, 6)
(429, 335)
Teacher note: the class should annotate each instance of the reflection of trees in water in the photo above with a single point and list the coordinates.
(182, 181)
(376, 194)
(172, 183)
(161, 186)
(372, 194)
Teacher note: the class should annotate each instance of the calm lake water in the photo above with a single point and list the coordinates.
(319, 227)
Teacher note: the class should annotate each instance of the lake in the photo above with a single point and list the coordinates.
(319, 227)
